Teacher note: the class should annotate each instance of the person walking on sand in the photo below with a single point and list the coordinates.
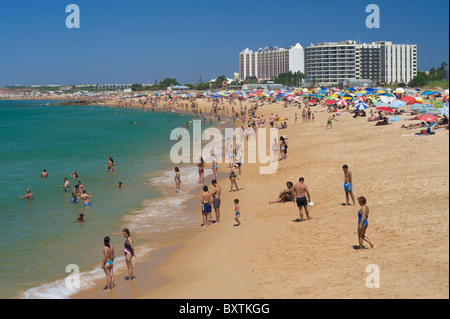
(206, 206)
(177, 179)
(303, 198)
(237, 212)
(363, 215)
(216, 199)
(107, 264)
(129, 252)
(348, 185)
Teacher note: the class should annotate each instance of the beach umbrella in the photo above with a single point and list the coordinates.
(428, 92)
(427, 118)
(398, 103)
(416, 106)
(385, 109)
(362, 106)
(381, 104)
(444, 111)
(330, 102)
(408, 99)
(342, 102)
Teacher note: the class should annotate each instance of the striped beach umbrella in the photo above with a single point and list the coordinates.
(444, 111)
(361, 106)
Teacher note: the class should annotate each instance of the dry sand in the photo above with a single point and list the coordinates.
(405, 180)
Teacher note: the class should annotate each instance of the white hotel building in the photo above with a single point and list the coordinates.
(268, 63)
(337, 62)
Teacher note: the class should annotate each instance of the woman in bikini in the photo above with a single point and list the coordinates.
(107, 264)
(201, 171)
(129, 252)
(233, 176)
(177, 179)
(110, 164)
(215, 167)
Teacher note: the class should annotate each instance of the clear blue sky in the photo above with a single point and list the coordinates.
(143, 40)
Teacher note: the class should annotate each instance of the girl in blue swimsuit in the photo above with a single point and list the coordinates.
(363, 215)
(107, 265)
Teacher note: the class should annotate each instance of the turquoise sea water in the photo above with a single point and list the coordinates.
(39, 237)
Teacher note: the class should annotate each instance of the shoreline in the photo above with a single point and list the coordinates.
(272, 256)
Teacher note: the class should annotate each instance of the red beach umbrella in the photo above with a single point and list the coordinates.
(408, 99)
(386, 109)
(428, 118)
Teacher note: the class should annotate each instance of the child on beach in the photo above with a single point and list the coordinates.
(237, 212)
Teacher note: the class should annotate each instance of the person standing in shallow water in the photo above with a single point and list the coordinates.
(177, 179)
(111, 164)
(129, 252)
(107, 264)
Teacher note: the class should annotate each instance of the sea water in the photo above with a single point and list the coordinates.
(39, 238)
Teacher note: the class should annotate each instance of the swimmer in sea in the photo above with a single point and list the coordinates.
(86, 198)
(120, 185)
(111, 164)
(80, 219)
(29, 195)
(44, 174)
(66, 185)
(75, 194)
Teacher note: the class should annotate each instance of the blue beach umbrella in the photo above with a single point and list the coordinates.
(362, 106)
(444, 111)
(398, 104)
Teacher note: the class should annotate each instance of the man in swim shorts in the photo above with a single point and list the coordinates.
(303, 198)
(206, 206)
(75, 194)
(86, 198)
(348, 185)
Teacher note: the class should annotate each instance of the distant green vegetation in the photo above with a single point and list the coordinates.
(435, 78)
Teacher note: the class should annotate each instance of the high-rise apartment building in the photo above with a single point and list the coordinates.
(268, 63)
(383, 62)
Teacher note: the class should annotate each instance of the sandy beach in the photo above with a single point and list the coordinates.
(405, 180)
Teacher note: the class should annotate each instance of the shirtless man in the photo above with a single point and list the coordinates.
(29, 195)
(75, 194)
(216, 199)
(66, 185)
(206, 206)
(44, 174)
(348, 185)
(302, 192)
(86, 198)
(287, 195)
